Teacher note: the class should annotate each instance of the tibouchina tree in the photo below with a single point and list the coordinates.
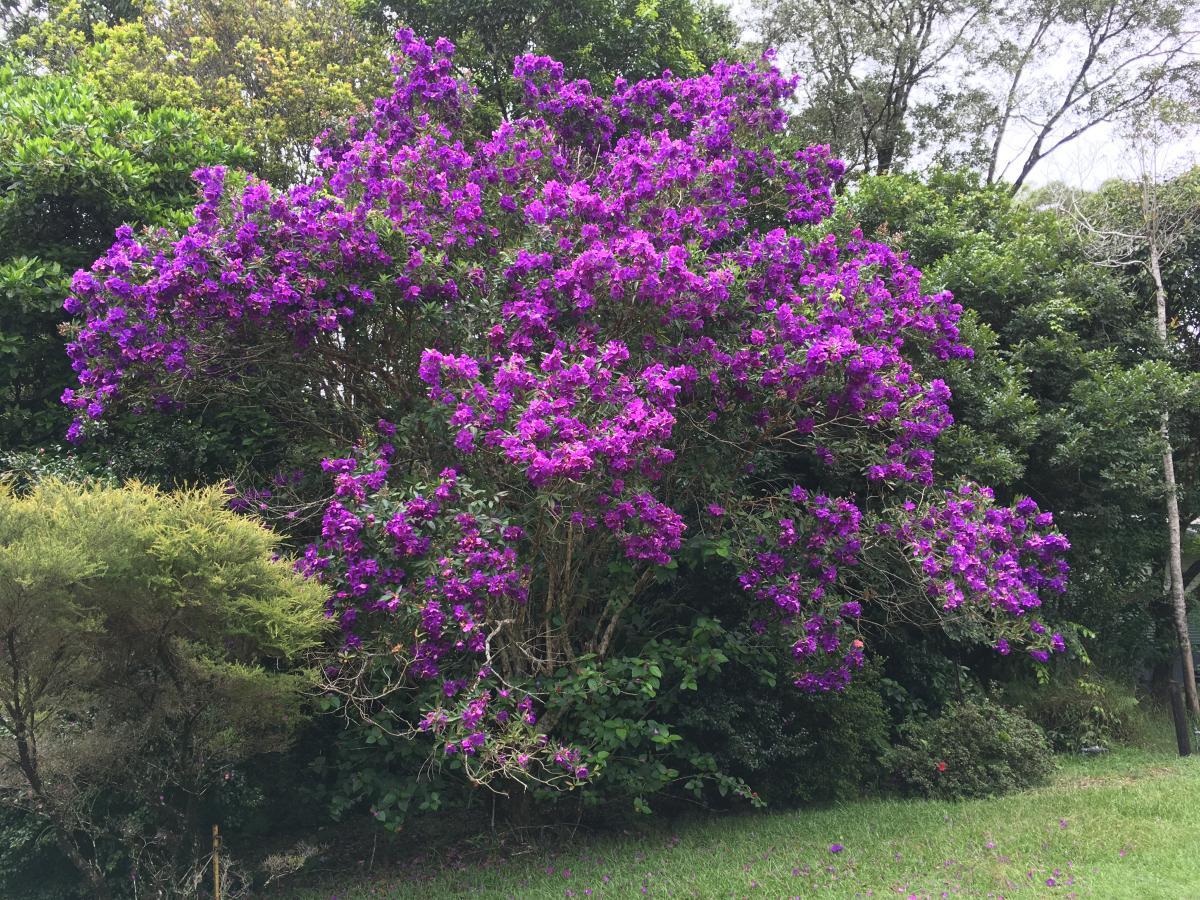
(606, 334)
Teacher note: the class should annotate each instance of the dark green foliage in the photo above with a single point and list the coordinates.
(31, 866)
(1079, 712)
(72, 169)
(975, 748)
(369, 769)
(629, 708)
(921, 672)
(792, 747)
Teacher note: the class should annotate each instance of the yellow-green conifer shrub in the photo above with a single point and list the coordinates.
(150, 643)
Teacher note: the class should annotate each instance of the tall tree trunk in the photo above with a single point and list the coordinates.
(1174, 528)
(885, 153)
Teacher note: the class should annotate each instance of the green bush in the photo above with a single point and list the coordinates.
(791, 747)
(1079, 712)
(975, 748)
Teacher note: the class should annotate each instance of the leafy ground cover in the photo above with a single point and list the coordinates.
(1123, 825)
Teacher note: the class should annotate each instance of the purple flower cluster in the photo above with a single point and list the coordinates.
(683, 166)
(602, 281)
(574, 417)
(797, 571)
(976, 558)
(287, 263)
(823, 334)
(446, 575)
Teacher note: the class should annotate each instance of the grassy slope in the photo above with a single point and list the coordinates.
(1123, 826)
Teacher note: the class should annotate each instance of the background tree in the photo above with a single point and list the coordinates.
(267, 75)
(997, 86)
(598, 39)
(1068, 66)
(872, 69)
(1141, 223)
(73, 167)
(147, 644)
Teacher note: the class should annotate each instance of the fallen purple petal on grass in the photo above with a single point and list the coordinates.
(836, 848)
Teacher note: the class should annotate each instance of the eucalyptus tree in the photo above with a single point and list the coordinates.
(1060, 68)
(872, 69)
(1139, 224)
(998, 84)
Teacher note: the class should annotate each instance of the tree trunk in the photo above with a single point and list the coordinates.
(885, 154)
(1174, 528)
(63, 835)
(22, 712)
(1178, 599)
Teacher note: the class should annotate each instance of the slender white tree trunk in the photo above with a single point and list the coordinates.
(1174, 553)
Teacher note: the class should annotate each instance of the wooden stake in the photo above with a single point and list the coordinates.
(216, 863)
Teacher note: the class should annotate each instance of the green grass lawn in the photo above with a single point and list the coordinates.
(1123, 825)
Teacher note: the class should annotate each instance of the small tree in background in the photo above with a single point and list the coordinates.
(877, 70)
(148, 645)
(1141, 223)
